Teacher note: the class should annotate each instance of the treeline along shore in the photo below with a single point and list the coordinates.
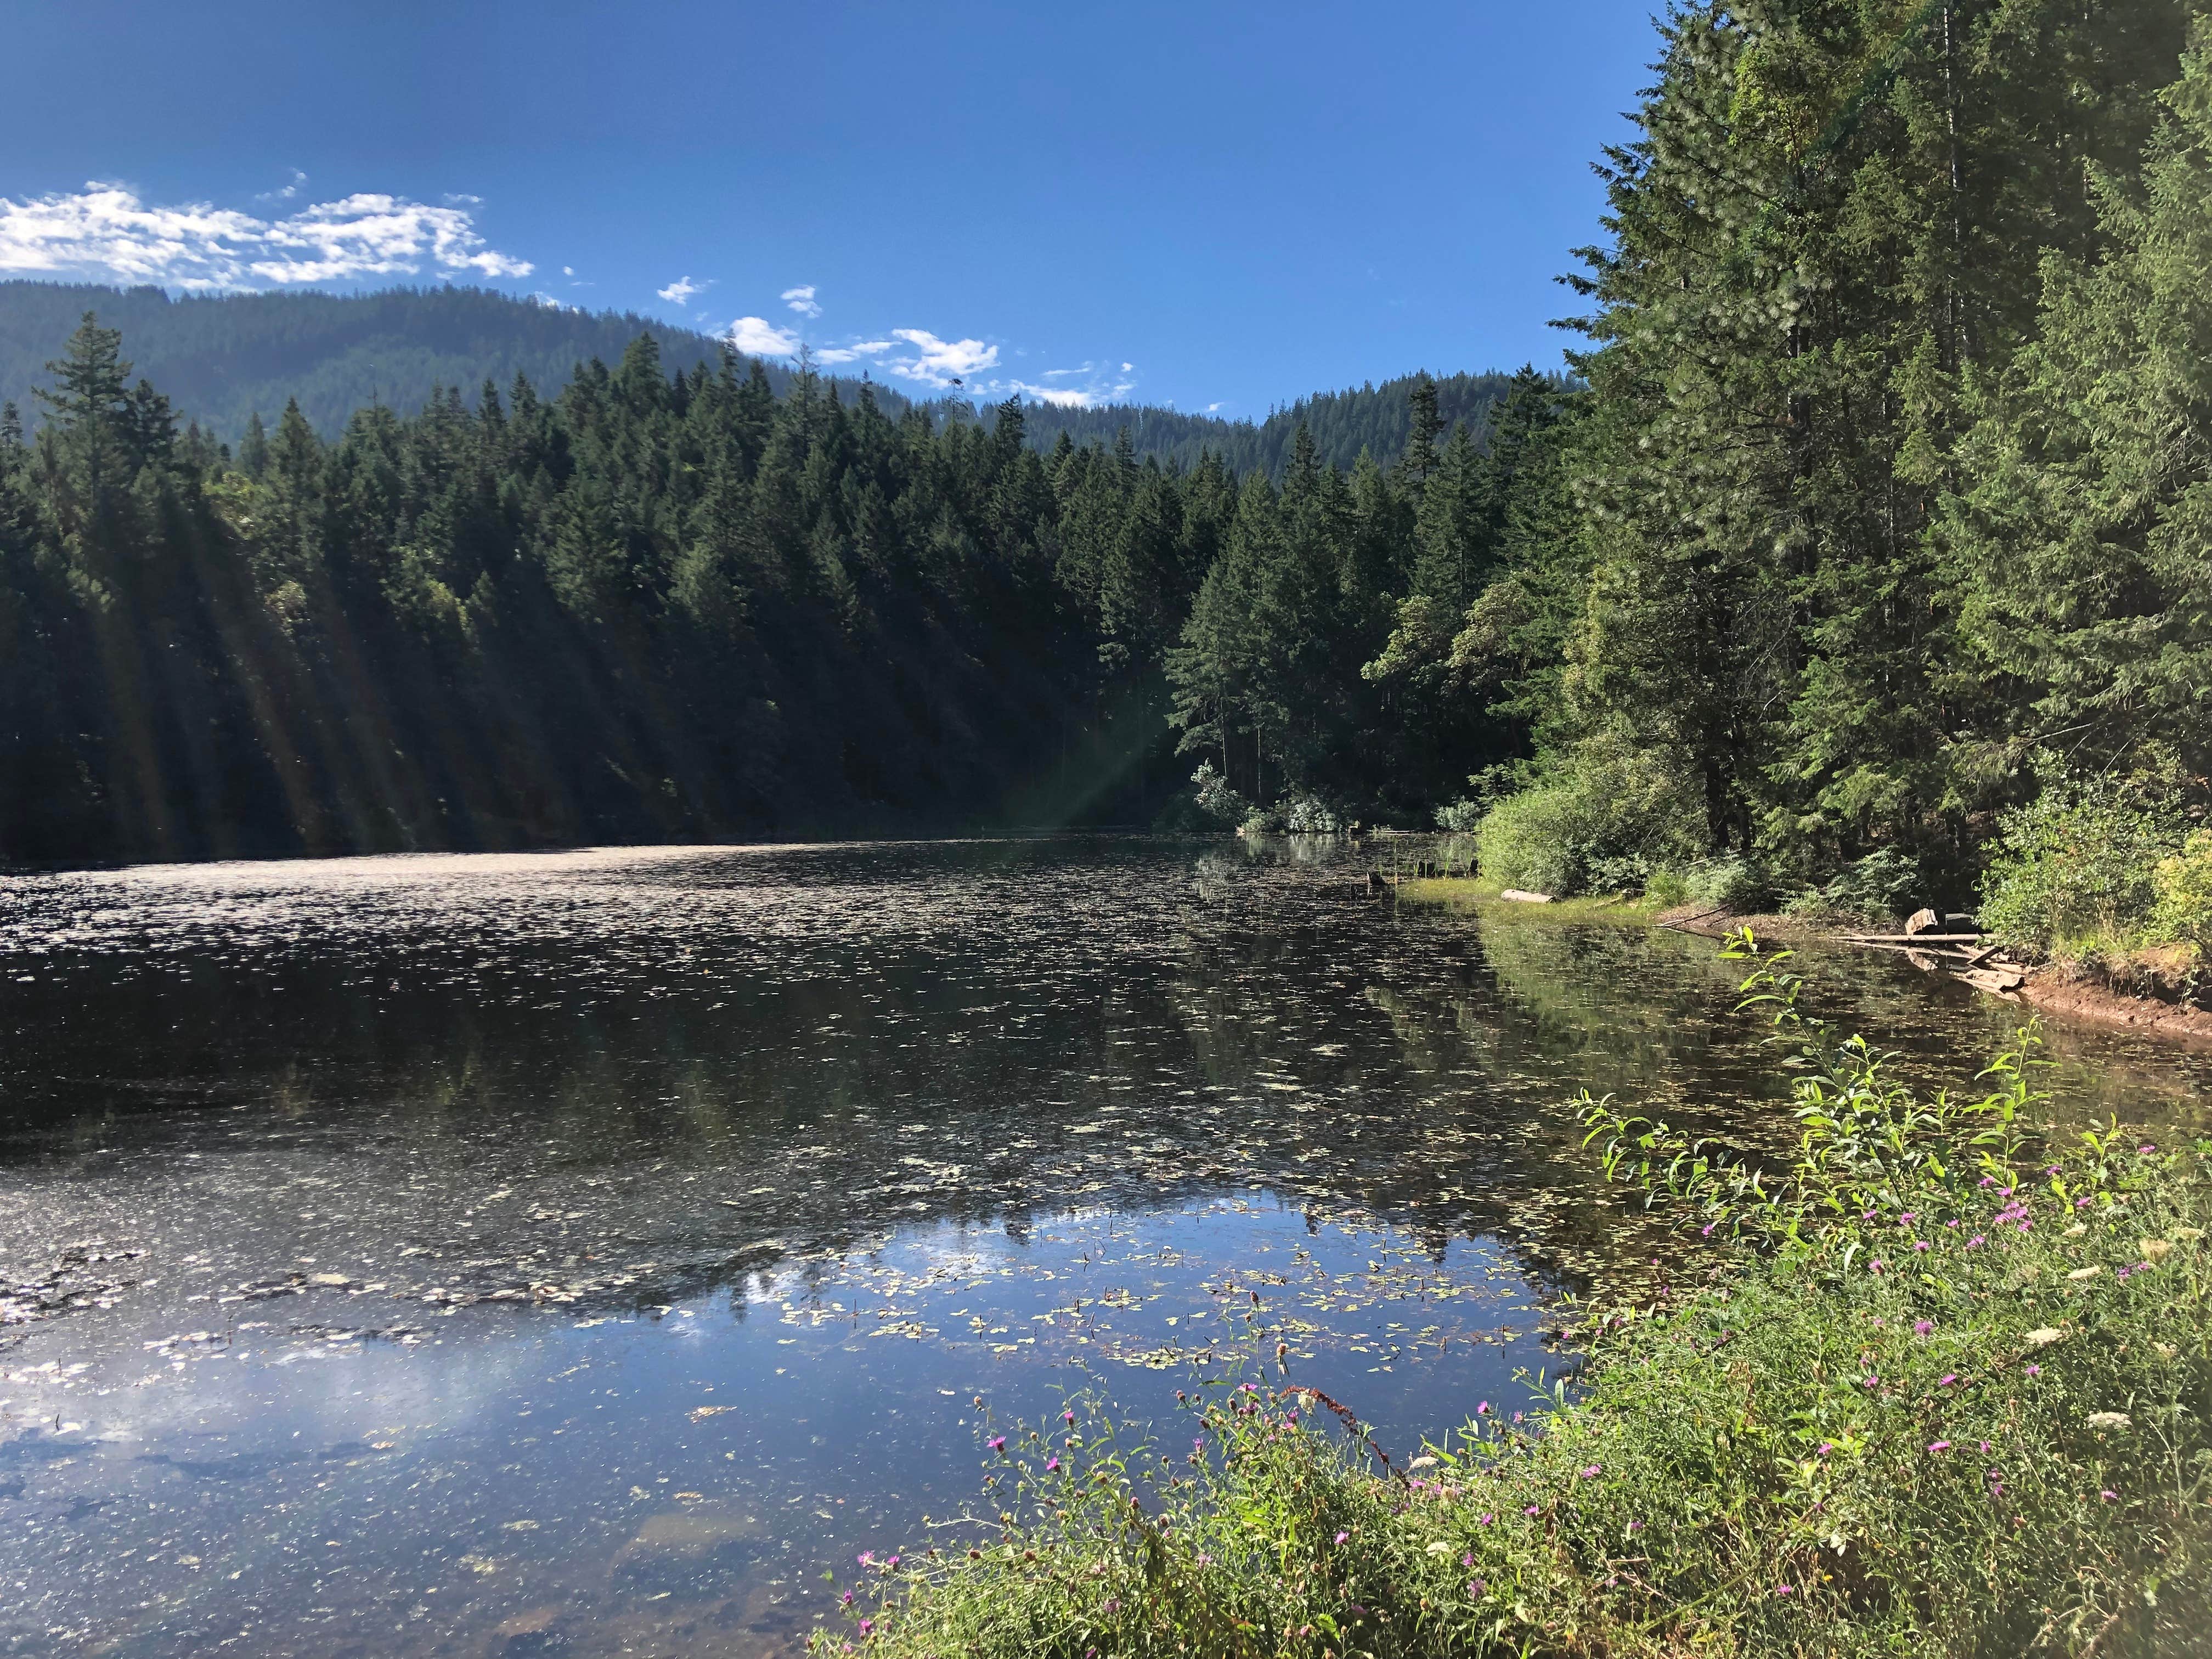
(1858, 561)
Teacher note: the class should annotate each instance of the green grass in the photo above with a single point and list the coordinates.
(1473, 893)
(1947, 1395)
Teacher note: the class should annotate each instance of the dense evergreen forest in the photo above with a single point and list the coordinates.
(1864, 551)
(224, 359)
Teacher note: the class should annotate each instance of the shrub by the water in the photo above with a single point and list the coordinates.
(1953, 1401)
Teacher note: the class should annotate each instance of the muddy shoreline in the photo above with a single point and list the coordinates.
(2058, 992)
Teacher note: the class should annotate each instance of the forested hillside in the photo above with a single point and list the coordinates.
(222, 359)
(1341, 424)
(1865, 554)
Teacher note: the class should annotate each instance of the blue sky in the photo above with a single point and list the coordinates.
(1211, 205)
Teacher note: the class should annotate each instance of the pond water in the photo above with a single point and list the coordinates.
(594, 1253)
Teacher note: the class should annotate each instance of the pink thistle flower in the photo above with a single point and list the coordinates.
(1067, 1417)
(1785, 1589)
(1825, 1448)
(1475, 1588)
(1341, 1536)
(1939, 1446)
(1051, 1466)
(997, 1442)
(1531, 1509)
(2035, 1370)
(1484, 1518)
(846, 1598)
(867, 1627)
(1591, 1471)
(2110, 1497)
(1922, 1326)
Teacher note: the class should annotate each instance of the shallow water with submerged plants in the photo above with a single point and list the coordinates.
(598, 1251)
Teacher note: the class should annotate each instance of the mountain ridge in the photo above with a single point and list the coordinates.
(222, 359)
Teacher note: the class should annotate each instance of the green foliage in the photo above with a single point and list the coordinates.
(1216, 799)
(1613, 803)
(1883, 886)
(2077, 869)
(1952, 1401)
(2182, 913)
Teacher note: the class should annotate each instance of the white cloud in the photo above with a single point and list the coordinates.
(1215, 409)
(288, 192)
(106, 230)
(939, 362)
(847, 354)
(679, 292)
(1098, 386)
(756, 336)
(567, 270)
(801, 300)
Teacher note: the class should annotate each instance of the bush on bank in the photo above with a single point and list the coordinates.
(1953, 1402)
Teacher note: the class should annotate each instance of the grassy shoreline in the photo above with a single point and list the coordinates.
(1949, 1395)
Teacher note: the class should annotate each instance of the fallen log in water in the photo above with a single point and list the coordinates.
(1519, 897)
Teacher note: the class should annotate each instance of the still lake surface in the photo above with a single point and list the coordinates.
(594, 1253)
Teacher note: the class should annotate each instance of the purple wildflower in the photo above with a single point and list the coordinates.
(997, 1442)
(1341, 1536)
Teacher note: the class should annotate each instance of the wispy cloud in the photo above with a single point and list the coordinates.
(853, 353)
(756, 336)
(801, 300)
(1094, 384)
(679, 292)
(106, 230)
(288, 192)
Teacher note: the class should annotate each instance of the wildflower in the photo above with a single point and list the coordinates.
(1439, 1548)
(1204, 1559)
(1986, 1446)
(2042, 1336)
(1785, 1589)
(1484, 1518)
(2089, 1272)
(1875, 1266)
(847, 1598)
(1591, 1471)
(2152, 1248)
(1483, 1409)
(1475, 1588)
(1920, 1243)
(1989, 1181)
(1467, 1561)
(2109, 1496)
(2035, 1370)
(1067, 1417)
(1706, 1231)
(2145, 1150)
(867, 1627)
(2110, 1420)
(997, 1442)
(1922, 1326)
(1976, 1242)
(1636, 1526)
(1051, 1466)
(1946, 1382)
(1113, 1605)
(1531, 1509)
(1825, 1448)
(1934, 1446)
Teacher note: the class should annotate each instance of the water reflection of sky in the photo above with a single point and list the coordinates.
(587, 1252)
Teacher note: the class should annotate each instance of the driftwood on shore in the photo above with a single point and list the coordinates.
(1519, 897)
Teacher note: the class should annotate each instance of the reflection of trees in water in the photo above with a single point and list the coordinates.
(904, 1036)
